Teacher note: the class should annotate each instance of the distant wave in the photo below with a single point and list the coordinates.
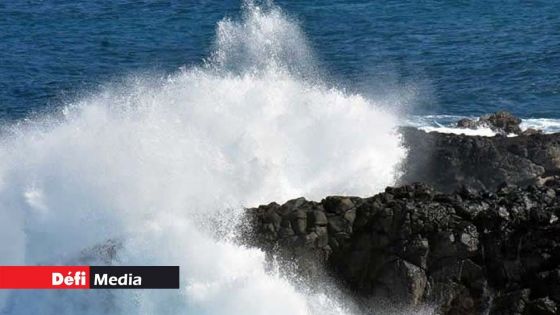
(547, 125)
(448, 123)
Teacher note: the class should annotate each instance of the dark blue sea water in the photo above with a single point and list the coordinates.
(453, 57)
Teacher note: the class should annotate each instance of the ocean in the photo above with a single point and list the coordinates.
(463, 58)
(153, 124)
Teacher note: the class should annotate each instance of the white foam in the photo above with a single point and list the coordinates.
(547, 125)
(447, 124)
(485, 132)
(142, 162)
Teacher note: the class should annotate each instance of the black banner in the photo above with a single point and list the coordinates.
(134, 277)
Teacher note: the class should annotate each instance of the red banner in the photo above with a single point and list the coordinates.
(44, 277)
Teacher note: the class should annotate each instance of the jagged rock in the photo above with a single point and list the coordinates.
(467, 123)
(531, 131)
(502, 122)
(467, 252)
(510, 303)
(543, 306)
(402, 282)
(449, 161)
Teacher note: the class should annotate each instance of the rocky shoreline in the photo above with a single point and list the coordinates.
(479, 235)
(465, 252)
(450, 161)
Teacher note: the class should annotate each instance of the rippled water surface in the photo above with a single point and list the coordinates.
(435, 57)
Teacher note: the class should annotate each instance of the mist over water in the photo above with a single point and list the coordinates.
(142, 162)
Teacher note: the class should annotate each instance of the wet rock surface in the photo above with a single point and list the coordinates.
(467, 252)
(502, 122)
(449, 161)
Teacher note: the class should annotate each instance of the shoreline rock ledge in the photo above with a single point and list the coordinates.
(466, 252)
(450, 161)
(501, 122)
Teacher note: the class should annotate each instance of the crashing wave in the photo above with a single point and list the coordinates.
(154, 163)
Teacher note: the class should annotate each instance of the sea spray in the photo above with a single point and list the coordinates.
(139, 162)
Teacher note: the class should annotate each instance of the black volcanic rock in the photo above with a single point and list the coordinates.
(501, 122)
(450, 161)
(468, 123)
(467, 252)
